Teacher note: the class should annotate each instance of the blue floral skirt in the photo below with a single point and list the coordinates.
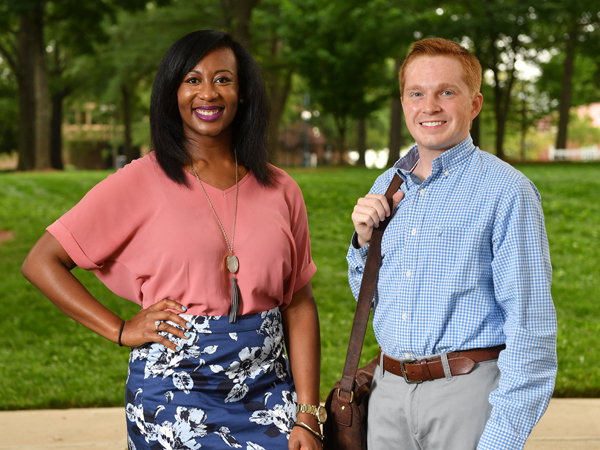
(230, 386)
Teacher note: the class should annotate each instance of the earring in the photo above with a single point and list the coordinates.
(241, 100)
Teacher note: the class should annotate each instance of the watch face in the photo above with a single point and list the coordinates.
(322, 414)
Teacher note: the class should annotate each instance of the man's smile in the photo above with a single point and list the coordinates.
(433, 124)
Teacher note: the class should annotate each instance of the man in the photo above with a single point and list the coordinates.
(465, 268)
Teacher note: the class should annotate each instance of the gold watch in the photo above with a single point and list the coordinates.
(316, 410)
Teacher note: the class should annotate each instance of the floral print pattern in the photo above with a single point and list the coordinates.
(283, 417)
(230, 386)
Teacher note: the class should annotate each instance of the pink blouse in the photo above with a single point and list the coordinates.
(147, 238)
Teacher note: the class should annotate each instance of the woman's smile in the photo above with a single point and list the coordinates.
(209, 113)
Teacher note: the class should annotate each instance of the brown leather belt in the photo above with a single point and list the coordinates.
(461, 363)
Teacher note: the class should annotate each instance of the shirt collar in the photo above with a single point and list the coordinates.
(448, 160)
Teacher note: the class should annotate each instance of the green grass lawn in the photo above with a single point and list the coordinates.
(49, 361)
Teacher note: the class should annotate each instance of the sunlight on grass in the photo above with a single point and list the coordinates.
(49, 361)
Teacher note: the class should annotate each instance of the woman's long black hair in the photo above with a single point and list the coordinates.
(249, 127)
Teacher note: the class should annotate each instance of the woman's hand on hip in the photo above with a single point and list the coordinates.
(145, 325)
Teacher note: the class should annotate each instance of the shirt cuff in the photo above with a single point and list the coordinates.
(360, 253)
(494, 438)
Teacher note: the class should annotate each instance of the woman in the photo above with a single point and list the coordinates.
(213, 243)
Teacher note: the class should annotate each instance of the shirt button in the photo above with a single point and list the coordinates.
(413, 231)
(404, 316)
(408, 273)
(407, 355)
(422, 191)
(446, 173)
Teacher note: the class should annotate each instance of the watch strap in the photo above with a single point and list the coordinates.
(310, 409)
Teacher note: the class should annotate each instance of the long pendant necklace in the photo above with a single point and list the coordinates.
(232, 261)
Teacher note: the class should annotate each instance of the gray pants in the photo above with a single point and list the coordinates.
(445, 414)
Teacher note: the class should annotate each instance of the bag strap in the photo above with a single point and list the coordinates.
(365, 298)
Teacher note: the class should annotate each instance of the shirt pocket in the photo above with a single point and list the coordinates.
(459, 256)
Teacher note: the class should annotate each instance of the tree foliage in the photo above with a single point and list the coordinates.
(340, 48)
(575, 30)
(26, 29)
(342, 54)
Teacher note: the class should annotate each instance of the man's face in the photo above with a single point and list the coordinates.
(437, 104)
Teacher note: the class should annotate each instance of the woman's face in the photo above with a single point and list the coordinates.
(208, 95)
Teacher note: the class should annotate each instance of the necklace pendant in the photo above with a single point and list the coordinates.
(232, 263)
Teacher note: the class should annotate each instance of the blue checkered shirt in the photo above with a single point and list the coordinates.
(466, 265)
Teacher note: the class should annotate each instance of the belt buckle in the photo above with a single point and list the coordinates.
(402, 362)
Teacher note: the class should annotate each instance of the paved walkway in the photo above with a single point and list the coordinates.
(569, 424)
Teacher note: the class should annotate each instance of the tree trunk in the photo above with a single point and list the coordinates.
(26, 112)
(243, 13)
(501, 94)
(33, 91)
(564, 105)
(26, 97)
(279, 82)
(42, 117)
(395, 123)
(524, 126)
(228, 9)
(237, 14)
(41, 91)
(56, 129)
(500, 124)
(279, 90)
(362, 141)
(340, 123)
(495, 60)
(395, 131)
(57, 99)
(501, 106)
(506, 106)
(129, 150)
(500, 130)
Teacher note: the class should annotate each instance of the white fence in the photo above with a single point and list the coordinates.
(591, 153)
